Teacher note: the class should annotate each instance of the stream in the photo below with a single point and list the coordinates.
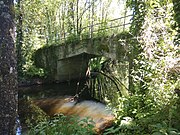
(59, 98)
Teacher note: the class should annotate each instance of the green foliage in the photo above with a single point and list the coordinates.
(152, 45)
(64, 125)
(44, 23)
(29, 113)
(139, 12)
(163, 129)
(108, 79)
(38, 122)
(33, 71)
(96, 64)
(73, 39)
(176, 25)
(153, 104)
(126, 127)
(140, 115)
(158, 53)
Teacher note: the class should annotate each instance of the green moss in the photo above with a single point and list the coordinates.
(29, 113)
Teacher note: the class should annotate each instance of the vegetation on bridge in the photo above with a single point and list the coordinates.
(43, 23)
(150, 103)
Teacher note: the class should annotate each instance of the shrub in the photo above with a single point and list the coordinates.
(64, 125)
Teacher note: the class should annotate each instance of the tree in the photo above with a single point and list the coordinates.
(8, 73)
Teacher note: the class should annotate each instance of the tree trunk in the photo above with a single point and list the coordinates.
(19, 40)
(8, 73)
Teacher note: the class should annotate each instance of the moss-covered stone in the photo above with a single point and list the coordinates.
(55, 58)
(29, 113)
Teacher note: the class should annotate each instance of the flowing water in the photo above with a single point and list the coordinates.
(53, 100)
(68, 106)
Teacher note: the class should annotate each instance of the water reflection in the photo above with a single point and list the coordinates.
(51, 90)
(18, 129)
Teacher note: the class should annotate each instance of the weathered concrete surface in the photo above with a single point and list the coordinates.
(73, 67)
(64, 69)
(70, 61)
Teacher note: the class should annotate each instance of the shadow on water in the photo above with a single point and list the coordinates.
(70, 88)
(51, 90)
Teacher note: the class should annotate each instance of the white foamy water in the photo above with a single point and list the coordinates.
(98, 112)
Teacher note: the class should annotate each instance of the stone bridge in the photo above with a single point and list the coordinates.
(69, 61)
